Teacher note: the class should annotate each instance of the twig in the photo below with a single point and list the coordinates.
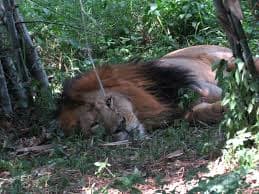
(117, 143)
(47, 22)
(88, 50)
(35, 148)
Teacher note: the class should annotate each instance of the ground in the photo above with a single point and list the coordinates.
(179, 159)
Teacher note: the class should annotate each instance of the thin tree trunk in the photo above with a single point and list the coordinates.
(19, 60)
(5, 101)
(229, 14)
(13, 77)
(19, 92)
(32, 58)
(16, 87)
(248, 57)
(20, 67)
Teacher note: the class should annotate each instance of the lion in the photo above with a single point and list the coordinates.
(142, 96)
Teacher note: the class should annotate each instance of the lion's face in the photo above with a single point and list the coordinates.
(114, 112)
(83, 117)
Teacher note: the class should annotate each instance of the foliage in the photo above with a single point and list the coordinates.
(241, 122)
(143, 29)
(228, 183)
(103, 166)
(126, 183)
(240, 96)
(243, 110)
(148, 29)
(242, 150)
(187, 97)
(43, 98)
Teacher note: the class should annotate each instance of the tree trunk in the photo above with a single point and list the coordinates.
(19, 60)
(19, 92)
(5, 101)
(229, 14)
(32, 58)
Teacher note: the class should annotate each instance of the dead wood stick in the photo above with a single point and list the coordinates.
(117, 143)
(35, 148)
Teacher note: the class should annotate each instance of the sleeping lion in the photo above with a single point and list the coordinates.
(141, 96)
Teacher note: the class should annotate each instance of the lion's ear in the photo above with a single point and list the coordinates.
(109, 102)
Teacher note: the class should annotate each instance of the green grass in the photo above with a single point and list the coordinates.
(78, 155)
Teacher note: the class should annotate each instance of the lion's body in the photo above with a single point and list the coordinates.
(144, 95)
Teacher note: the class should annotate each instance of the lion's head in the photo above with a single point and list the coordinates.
(113, 111)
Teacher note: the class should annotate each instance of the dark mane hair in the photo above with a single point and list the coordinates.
(167, 81)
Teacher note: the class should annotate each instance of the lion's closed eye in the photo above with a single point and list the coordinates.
(109, 102)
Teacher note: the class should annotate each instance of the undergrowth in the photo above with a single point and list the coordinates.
(125, 165)
(241, 123)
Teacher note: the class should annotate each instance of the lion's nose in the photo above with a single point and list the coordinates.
(121, 133)
(121, 126)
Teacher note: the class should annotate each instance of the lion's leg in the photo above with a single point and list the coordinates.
(206, 112)
(209, 92)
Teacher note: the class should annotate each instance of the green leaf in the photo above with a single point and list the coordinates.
(250, 108)
(215, 65)
(237, 77)
(225, 101)
(240, 65)
(153, 7)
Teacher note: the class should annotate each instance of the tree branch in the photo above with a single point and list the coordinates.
(47, 22)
